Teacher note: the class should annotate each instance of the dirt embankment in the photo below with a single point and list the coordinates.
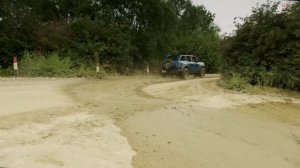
(145, 122)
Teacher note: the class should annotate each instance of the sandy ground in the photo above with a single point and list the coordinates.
(144, 122)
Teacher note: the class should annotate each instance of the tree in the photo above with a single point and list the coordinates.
(126, 34)
(265, 48)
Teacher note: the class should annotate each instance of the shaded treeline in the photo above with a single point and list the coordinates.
(265, 49)
(125, 34)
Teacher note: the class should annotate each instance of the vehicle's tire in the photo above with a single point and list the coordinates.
(185, 73)
(202, 73)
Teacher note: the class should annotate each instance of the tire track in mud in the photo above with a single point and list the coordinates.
(151, 112)
(200, 123)
(168, 123)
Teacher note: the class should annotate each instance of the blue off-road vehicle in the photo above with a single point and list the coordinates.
(182, 65)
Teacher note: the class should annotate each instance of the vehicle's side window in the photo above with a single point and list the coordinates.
(188, 58)
(182, 58)
(194, 59)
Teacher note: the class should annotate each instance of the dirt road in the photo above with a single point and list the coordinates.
(144, 122)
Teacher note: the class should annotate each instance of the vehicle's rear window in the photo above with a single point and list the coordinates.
(173, 57)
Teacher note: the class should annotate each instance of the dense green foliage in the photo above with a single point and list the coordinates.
(235, 82)
(34, 64)
(125, 34)
(37, 65)
(265, 49)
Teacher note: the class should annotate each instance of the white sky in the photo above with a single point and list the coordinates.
(227, 10)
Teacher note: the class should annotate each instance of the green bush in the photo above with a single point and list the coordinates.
(234, 81)
(6, 72)
(265, 48)
(88, 71)
(51, 65)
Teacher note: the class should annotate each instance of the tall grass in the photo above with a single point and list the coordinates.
(242, 79)
(51, 65)
(279, 79)
(234, 81)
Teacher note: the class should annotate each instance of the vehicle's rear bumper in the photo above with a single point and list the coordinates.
(171, 72)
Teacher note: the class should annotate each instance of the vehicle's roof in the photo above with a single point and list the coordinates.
(185, 55)
(179, 55)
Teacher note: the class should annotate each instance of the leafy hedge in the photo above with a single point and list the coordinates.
(52, 65)
(265, 49)
(126, 35)
(49, 65)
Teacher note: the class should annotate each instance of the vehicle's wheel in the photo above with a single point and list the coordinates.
(185, 73)
(202, 73)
